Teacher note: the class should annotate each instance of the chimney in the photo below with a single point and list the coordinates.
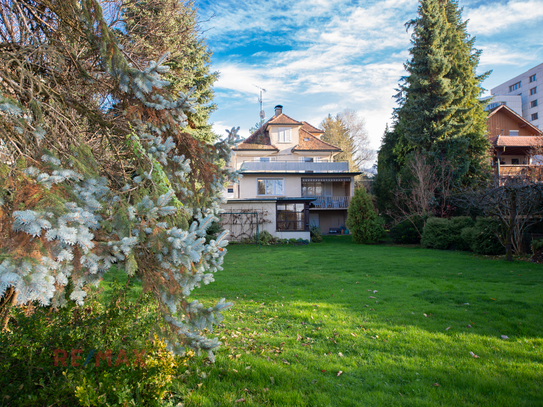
(278, 110)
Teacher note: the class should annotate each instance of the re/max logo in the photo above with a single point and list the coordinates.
(61, 355)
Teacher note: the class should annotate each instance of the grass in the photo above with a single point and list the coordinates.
(340, 324)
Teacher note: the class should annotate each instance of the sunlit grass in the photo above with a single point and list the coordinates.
(303, 314)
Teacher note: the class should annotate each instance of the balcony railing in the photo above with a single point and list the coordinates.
(532, 172)
(294, 166)
(331, 202)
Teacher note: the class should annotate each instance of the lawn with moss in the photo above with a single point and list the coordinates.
(340, 324)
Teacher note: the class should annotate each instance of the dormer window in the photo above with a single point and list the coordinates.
(306, 138)
(285, 135)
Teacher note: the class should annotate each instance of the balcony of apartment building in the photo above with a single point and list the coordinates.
(320, 167)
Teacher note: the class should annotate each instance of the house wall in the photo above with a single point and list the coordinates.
(284, 148)
(240, 225)
(292, 183)
(329, 219)
(507, 159)
(501, 123)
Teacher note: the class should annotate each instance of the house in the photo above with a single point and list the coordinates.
(516, 144)
(289, 180)
(526, 86)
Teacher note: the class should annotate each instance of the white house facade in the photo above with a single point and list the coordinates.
(290, 179)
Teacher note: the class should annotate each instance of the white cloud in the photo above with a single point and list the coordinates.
(495, 17)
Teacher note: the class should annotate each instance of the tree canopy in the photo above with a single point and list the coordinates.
(347, 131)
(99, 166)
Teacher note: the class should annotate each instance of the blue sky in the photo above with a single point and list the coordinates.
(318, 57)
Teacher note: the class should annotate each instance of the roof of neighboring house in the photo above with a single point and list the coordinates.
(308, 142)
(516, 141)
(507, 110)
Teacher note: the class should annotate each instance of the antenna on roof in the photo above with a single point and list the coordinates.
(262, 114)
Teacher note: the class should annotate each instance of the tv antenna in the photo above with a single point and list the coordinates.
(262, 114)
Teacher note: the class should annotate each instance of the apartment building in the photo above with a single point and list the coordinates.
(529, 86)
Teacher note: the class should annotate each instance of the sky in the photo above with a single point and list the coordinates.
(319, 57)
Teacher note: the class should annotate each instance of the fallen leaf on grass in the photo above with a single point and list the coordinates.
(372, 297)
(353, 334)
(447, 328)
(474, 355)
(436, 384)
(504, 337)
(285, 362)
(425, 315)
(240, 401)
(234, 370)
(339, 373)
(340, 354)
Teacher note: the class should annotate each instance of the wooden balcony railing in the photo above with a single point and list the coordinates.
(531, 172)
(331, 202)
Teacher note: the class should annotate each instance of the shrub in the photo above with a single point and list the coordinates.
(27, 355)
(405, 232)
(316, 234)
(482, 237)
(445, 234)
(362, 220)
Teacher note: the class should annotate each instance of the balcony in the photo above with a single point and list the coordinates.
(530, 172)
(294, 166)
(330, 202)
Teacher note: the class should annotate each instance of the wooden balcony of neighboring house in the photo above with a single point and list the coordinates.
(526, 171)
(330, 202)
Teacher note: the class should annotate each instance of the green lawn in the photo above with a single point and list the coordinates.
(339, 324)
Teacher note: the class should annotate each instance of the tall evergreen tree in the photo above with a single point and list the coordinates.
(439, 111)
(152, 28)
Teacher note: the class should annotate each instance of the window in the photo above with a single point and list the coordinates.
(513, 87)
(534, 116)
(532, 78)
(495, 104)
(230, 190)
(292, 216)
(533, 91)
(514, 161)
(270, 187)
(316, 188)
(513, 132)
(264, 159)
(309, 159)
(533, 103)
(285, 135)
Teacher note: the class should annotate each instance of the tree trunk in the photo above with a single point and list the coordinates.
(512, 220)
(9, 300)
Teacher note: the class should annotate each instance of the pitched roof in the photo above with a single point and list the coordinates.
(308, 142)
(517, 141)
(507, 110)
(260, 139)
(282, 119)
(311, 129)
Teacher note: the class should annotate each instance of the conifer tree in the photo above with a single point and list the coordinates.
(439, 111)
(152, 28)
(362, 219)
(97, 169)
